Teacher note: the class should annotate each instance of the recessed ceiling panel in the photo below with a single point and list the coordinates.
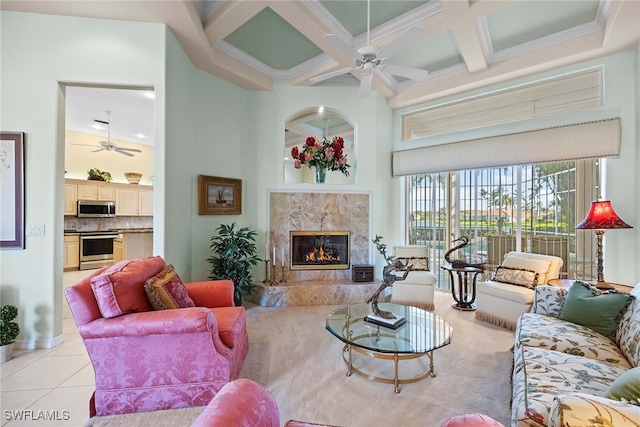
(528, 20)
(352, 14)
(273, 41)
(433, 54)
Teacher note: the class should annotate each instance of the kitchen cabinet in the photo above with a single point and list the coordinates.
(106, 193)
(87, 192)
(134, 202)
(131, 199)
(71, 252)
(145, 202)
(132, 245)
(126, 202)
(70, 199)
(118, 250)
(96, 192)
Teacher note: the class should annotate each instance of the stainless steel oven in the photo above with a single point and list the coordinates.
(96, 249)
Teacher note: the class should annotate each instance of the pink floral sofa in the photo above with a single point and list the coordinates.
(569, 374)
(149, 359)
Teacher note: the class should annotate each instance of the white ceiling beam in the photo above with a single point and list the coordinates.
(228, 18)
(307, 23)
(191, 35)
(622, 14)
(462, 24)
(619, 22)
(569, 52)
(303, 20)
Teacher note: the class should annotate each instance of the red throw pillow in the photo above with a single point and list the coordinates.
(120, 288)
(165, 290)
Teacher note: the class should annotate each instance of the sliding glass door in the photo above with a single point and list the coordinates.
(530, 208)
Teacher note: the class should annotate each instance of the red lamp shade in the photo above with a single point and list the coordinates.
(601, 216)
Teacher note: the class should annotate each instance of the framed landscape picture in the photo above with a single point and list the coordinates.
(12, 190)
(219, 196)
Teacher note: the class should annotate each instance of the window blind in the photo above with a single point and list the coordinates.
(573, 92)
(578, 141)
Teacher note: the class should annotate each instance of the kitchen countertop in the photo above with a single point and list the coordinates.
(136, 230)
(122, 230)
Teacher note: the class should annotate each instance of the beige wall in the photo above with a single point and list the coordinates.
(80, 158)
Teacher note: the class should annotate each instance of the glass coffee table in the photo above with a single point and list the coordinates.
(421, 334)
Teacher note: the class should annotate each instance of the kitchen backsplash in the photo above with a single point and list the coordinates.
(101, 224)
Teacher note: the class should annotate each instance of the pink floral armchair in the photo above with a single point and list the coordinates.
(146, 359)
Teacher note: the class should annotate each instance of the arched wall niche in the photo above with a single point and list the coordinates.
(318, 122)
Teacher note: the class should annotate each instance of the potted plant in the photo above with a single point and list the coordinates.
(9, 330)
(96, 174)
(234, 254)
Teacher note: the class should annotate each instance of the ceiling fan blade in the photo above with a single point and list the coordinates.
(83, 145)
(404, 40)
(99, 149)
(129, 149)
(408, 72)
(330, 75)
(365, 85)
(337, 42)
(121, 151)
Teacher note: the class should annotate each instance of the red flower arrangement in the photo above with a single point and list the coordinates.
(323, 154)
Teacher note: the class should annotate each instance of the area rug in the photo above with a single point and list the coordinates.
(300, 363)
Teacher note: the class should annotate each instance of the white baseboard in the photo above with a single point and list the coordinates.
(39, 343)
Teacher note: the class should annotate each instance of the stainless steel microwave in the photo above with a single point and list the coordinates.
(96, 208)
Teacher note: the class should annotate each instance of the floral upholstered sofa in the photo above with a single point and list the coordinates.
(567, 374)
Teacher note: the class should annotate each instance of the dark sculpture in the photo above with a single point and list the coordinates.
(460, 263)
(388, 278)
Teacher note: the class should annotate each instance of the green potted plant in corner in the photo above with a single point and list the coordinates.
(9, 330)
(234, 254)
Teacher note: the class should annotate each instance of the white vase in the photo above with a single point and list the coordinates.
(6, 352)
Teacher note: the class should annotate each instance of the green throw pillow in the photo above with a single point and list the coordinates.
(626, 387)
(587, 306)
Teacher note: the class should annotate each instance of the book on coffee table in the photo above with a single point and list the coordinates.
(389, 323)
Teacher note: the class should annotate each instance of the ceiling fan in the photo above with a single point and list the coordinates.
(110, 146)
(371, 58)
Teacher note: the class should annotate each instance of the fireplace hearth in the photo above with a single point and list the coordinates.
(319, 250)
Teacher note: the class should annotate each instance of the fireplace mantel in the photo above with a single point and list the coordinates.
(303, 211)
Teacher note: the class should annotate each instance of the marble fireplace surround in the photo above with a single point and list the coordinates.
(314, 211)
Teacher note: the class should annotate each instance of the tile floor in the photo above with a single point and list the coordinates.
(54, 383)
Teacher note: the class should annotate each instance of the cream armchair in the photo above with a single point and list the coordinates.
(417, 289)
(505, 297)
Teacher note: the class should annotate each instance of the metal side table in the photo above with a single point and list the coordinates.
(463, 286)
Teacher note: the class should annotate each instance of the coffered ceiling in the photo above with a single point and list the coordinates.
(464, 44)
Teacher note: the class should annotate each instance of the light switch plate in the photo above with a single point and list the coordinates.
(35, 230)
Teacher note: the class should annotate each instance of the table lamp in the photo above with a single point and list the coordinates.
(601, 217)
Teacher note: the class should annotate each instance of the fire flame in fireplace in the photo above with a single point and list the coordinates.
(320, 255)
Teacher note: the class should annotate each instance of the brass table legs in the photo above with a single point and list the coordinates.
(396, 357)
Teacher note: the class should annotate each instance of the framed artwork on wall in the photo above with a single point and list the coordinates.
(219, 196)
(12, 190)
